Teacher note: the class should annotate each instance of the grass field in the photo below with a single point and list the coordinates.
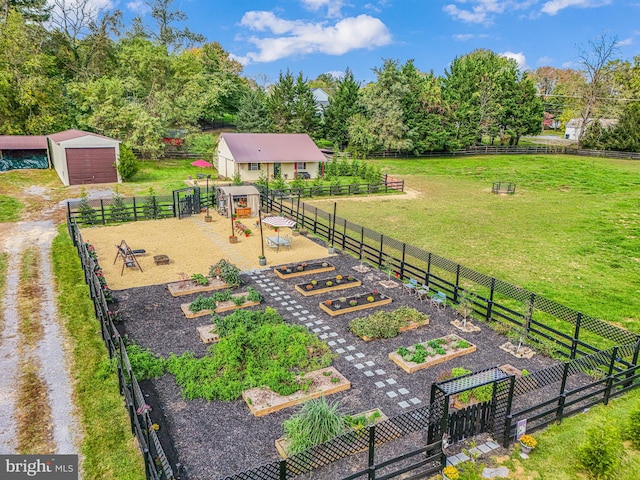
(571, 232)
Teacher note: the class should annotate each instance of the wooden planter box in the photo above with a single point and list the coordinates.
(221, 307)
(187, 287)
(322, 288)
(406, 328)
(263, 401)
(308, 270)
(346, 308)
(281, 443)
(411, 367)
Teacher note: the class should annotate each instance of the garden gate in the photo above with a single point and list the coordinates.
(490, 416)
(186, 201)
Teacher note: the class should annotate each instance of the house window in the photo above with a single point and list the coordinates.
(301, 166)
(254, 166)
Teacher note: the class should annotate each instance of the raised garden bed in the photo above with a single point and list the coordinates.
(431, 352)
(406, 328)
(221, 307)
(281, 443)
(353, 303)
(300, 269)
(187, 287)
(387, 323)
(324, 285)
(522, 352)
(263, 401)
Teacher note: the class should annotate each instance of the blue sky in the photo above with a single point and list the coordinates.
(317, 36)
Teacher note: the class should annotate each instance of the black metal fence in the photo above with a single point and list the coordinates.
(157, 466)
(548, 325)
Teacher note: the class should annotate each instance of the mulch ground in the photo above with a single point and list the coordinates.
(214, 439)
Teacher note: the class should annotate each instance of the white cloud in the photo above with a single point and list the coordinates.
(519, 57)
(138, 6)
(554, 6)
(333, 6)
(484, 11)
(464, 37)
(626, 42)
(298, 38)
(545, 60)
(337, 74)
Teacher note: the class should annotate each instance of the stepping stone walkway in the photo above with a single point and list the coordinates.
(293, 311)
(475, 451)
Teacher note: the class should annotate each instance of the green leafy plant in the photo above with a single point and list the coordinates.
(203, 303)
(87, 213)
(118, 211)
(601, 452)
(254, 295)
(383, 324)
(127, 163)
(200, 279)
(227, 271)
(144, 363)
(269, 354)
(151, 208)
(246, 320)
(238, 300)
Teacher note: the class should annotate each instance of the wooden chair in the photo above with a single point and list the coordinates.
(411, 286)
(422, 292)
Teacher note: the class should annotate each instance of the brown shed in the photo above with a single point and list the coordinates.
(84, 158)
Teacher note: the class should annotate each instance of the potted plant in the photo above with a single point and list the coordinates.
(295, 232)
(527, 443)
(207, 216)
(331, 249)
(233, 239)
(450, 473)
(262, 259)
(247, 232)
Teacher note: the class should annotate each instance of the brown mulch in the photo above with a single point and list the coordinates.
(214, 439)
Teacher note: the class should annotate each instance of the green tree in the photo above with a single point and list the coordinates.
(31, 10)
(253, 115)
(291, 106)
(127, 163)
(343, 104)
(32, 95)
(119, 212)
(166, 32)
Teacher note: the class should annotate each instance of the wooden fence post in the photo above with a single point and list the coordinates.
(372, 452)
(563, 396)
(490, 301)
(102, 211)
(455, 289)
(404, 250)
(607, 392)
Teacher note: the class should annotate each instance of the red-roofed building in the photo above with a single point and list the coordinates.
(23, 151)
(253, 155)
(78, 157)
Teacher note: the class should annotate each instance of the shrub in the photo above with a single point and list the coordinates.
(118, 211)
(601, 451)
(200, 279)
(127, 163)
(87, 214)
(144, 363)
(316, 422)
(228, 272)
(248, 320)
(632, 431)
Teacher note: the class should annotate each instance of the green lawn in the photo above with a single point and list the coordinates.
(164, 176)
(10, 209)
(569, 233)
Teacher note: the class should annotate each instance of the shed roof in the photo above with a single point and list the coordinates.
(23, 142)
(272, 147)
(72, 134)
(239, 190)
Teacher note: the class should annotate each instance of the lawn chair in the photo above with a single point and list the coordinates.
(287, 241)
(438, 300)
(411, 286)
(271, 244)
(422, 292)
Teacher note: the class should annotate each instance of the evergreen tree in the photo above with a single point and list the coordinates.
(119, 212)
(253, 115)
(127, 164)
(343, 104)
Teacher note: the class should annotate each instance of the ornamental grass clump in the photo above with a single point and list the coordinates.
(383, 324)
(317, 422)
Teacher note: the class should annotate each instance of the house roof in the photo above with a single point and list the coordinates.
(73, 134)
(272, 147)
(23, 142)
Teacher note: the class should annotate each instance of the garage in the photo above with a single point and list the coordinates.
(91, 165)
(82, 158)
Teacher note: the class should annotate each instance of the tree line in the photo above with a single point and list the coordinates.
(66, 65)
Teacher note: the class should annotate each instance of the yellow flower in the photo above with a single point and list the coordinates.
(528, 441)
(451, 472)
